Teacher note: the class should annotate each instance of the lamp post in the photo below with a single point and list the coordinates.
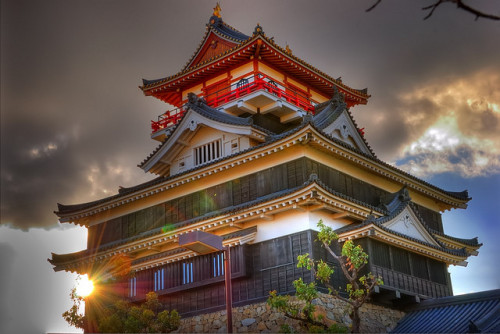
(229, 289)
(203, 243)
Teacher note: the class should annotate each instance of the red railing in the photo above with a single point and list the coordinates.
(168, 119)
(236, 90)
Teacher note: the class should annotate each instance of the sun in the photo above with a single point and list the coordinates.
(84, 286)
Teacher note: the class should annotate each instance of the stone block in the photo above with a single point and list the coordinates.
(261, 326)
(247, 322)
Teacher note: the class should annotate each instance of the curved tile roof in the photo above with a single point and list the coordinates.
(64, 209)
(226, 31)
(470, 242)
(218, 27)
(200, 106)
(329, 111)
(235, 208)
(394, 204)
(241, 40)
(470, 313)
(228, 236)
(352, 227)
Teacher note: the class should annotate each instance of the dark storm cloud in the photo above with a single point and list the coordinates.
(74, 124)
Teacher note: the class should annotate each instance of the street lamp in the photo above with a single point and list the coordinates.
(203, 243)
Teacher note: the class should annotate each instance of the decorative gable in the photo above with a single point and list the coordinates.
(408, 224)
(211, 47)
(344, 129)
(207, 145)
(203, 135)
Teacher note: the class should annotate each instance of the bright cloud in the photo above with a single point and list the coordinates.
(463, 135)
(103, 179)
(33, 295)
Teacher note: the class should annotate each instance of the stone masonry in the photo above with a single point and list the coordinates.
(259, 318)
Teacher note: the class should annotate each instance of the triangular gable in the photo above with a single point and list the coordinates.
(219, 38)
(344, 129)
(408, 224)
(211, 47)
(196, 117)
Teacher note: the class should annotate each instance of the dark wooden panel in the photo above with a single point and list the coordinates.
(196, 204)
(400, 260)
(437, 271)
(431, 218)
(419, 266)
(140, 221)
(380, 254)
(236, 188)
(276, 252)
(245, 189)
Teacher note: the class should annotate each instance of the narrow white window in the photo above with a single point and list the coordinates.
(218, 264)
(187, 272)
(159, 281)
(208, 152)
(132, 287)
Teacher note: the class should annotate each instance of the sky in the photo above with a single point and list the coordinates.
(74, 124)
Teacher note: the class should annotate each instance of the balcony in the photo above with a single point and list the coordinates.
(253, 94)
(410, 284)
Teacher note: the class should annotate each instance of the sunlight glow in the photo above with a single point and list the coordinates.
(454, 127)
(84, 286)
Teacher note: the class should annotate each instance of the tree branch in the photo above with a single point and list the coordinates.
(339, 260)
(375, 5)
(306, 320)
(336, 294)
(460, 4)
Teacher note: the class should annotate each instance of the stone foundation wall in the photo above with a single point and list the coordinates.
(259, 318)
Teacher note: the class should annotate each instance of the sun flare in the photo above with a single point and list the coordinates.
(84, 286)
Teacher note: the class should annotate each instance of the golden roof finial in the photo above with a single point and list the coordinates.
(288, 50)
(217, 10)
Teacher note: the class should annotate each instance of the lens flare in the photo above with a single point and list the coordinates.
(84, 286)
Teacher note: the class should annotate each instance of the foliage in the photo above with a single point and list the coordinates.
(124, 317)
(74, 317)
(351, 262)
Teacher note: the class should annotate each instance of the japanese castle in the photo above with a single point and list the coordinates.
(257, 146)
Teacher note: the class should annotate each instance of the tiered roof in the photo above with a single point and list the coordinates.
(394, 204)
(308, 125)
(235, 48)
(224, 47)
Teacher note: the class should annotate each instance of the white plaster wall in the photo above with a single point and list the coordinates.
(293, 221)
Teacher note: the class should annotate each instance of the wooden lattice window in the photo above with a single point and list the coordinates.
(208, 152)
(419, 266)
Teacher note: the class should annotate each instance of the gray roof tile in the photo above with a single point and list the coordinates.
(470, 313)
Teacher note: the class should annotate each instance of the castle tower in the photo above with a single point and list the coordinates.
(258, 146)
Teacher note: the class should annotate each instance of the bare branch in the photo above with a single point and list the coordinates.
(460, 4)
(375, 5)
(432, 8)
